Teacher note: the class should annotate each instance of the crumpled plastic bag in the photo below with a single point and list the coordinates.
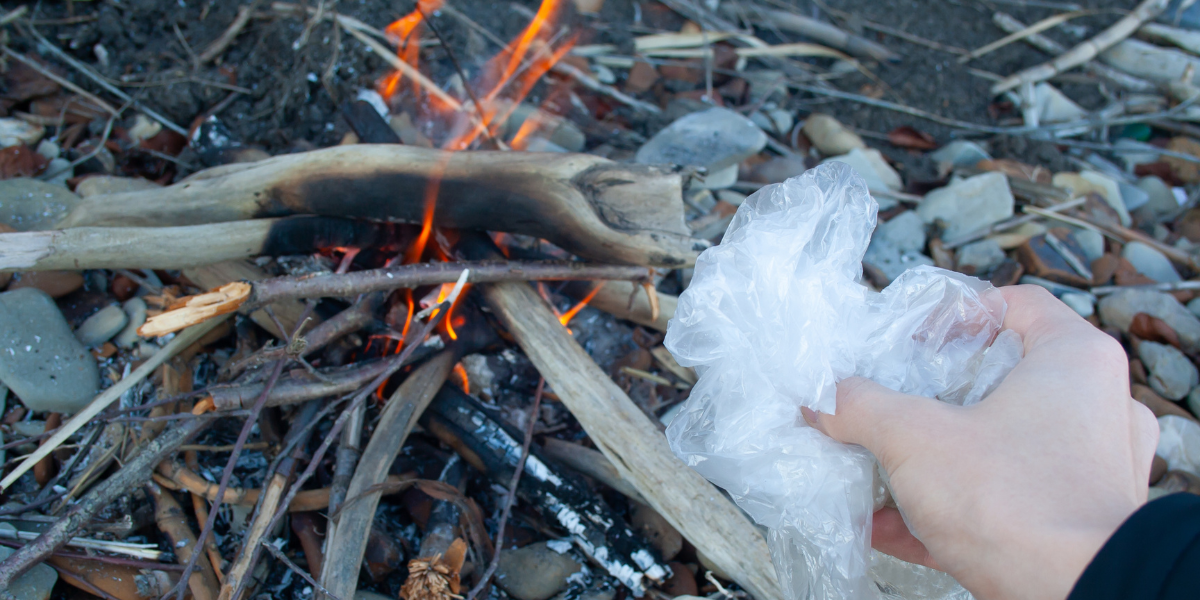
(774, 317)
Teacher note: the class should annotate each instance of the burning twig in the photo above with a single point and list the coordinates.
(592, 207)
(347, 537)
(1087, 50)
(246, 297)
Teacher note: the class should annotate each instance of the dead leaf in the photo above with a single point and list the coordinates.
(906, 136)
(20, 161)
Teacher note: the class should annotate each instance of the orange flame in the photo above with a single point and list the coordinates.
(461, 373)
(405, 33)
(566, 317)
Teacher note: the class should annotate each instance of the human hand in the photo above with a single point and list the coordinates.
(1015, 495)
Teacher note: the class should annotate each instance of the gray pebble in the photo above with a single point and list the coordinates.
(135, 309)
(1083, 304)
(102, 326)
(1150, 262)
(1172, 374)
(534, 572)
(715, 138)
(983, 255)
(35, 584)
(41, 361)
(32, 205)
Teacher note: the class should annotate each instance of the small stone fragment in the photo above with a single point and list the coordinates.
(1193, 400)
(14, 131)
(1042, 259)
(1161, 201)
(32, 205)
(102, 326)
(830, 136)
(1171, 373)
(661, 534)
(1091, 242)
(1118, 309)
(1087, 182)
(1052, 106)
(34, 584)
(55, 283)
(715, 138)
(1083, 304)
(1150, 262)
(870, 164)
(535, 572)
(1179, 443)
(969, 205)
(135, 310)
(40, 359)
(981, 257)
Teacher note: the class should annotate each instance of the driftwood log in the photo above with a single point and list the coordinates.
(182, 247)
(592, 207)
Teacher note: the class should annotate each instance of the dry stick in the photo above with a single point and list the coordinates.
(110, 395)
(247, 297)
(48, 74)
(277, 476)
(172, 522)
(346, 540)
(512, 493)
(359, 315)
(220, 44)
(243, 435)
(14, 14)
(1088, 50)
(825, 33)
(1023, 33)
(1010, 24)
(291, 565)
(633, 443)
(360, 397)
(133, 473)
(100, 81)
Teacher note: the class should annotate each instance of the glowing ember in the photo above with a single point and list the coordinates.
(460, 373)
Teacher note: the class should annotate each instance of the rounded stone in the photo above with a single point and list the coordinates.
(135, 309)
(1172, 374)
(41, 361)
(102, 326)
(534, 572)
(1150, 262)
(1082, 304)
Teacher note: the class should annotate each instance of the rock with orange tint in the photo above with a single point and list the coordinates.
(55, 283)
(1118, 309)
(642, 77)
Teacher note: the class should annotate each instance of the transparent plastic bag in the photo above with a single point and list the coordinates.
(774, 317)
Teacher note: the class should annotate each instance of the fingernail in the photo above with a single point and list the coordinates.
(812, 418)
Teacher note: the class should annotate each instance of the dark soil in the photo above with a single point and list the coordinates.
(292, 91)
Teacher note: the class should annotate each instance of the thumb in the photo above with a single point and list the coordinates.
(881, 420)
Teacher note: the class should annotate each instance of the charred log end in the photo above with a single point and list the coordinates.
(197, 309)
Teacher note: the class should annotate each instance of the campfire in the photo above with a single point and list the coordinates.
(351, 299)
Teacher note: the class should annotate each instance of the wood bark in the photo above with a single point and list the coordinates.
(590, 206)
(347, 539)
(633, 444)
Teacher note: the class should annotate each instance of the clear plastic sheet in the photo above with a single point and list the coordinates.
(774, 317)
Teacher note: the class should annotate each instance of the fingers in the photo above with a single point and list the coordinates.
(875, 417)
(890, 535)
(1035, 313)
(1145, 441)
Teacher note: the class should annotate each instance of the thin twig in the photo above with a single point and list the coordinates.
(291, 565)
(457, 68)
(243, 435)
(220, 44)
(100, 81)
(512, 493)
(48, 74)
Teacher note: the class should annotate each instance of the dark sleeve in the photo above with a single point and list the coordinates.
(1154, 555)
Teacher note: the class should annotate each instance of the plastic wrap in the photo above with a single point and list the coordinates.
(1179, 443)
(774, 317)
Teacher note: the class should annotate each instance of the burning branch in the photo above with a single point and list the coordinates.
(249, 296)
(590, 206)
